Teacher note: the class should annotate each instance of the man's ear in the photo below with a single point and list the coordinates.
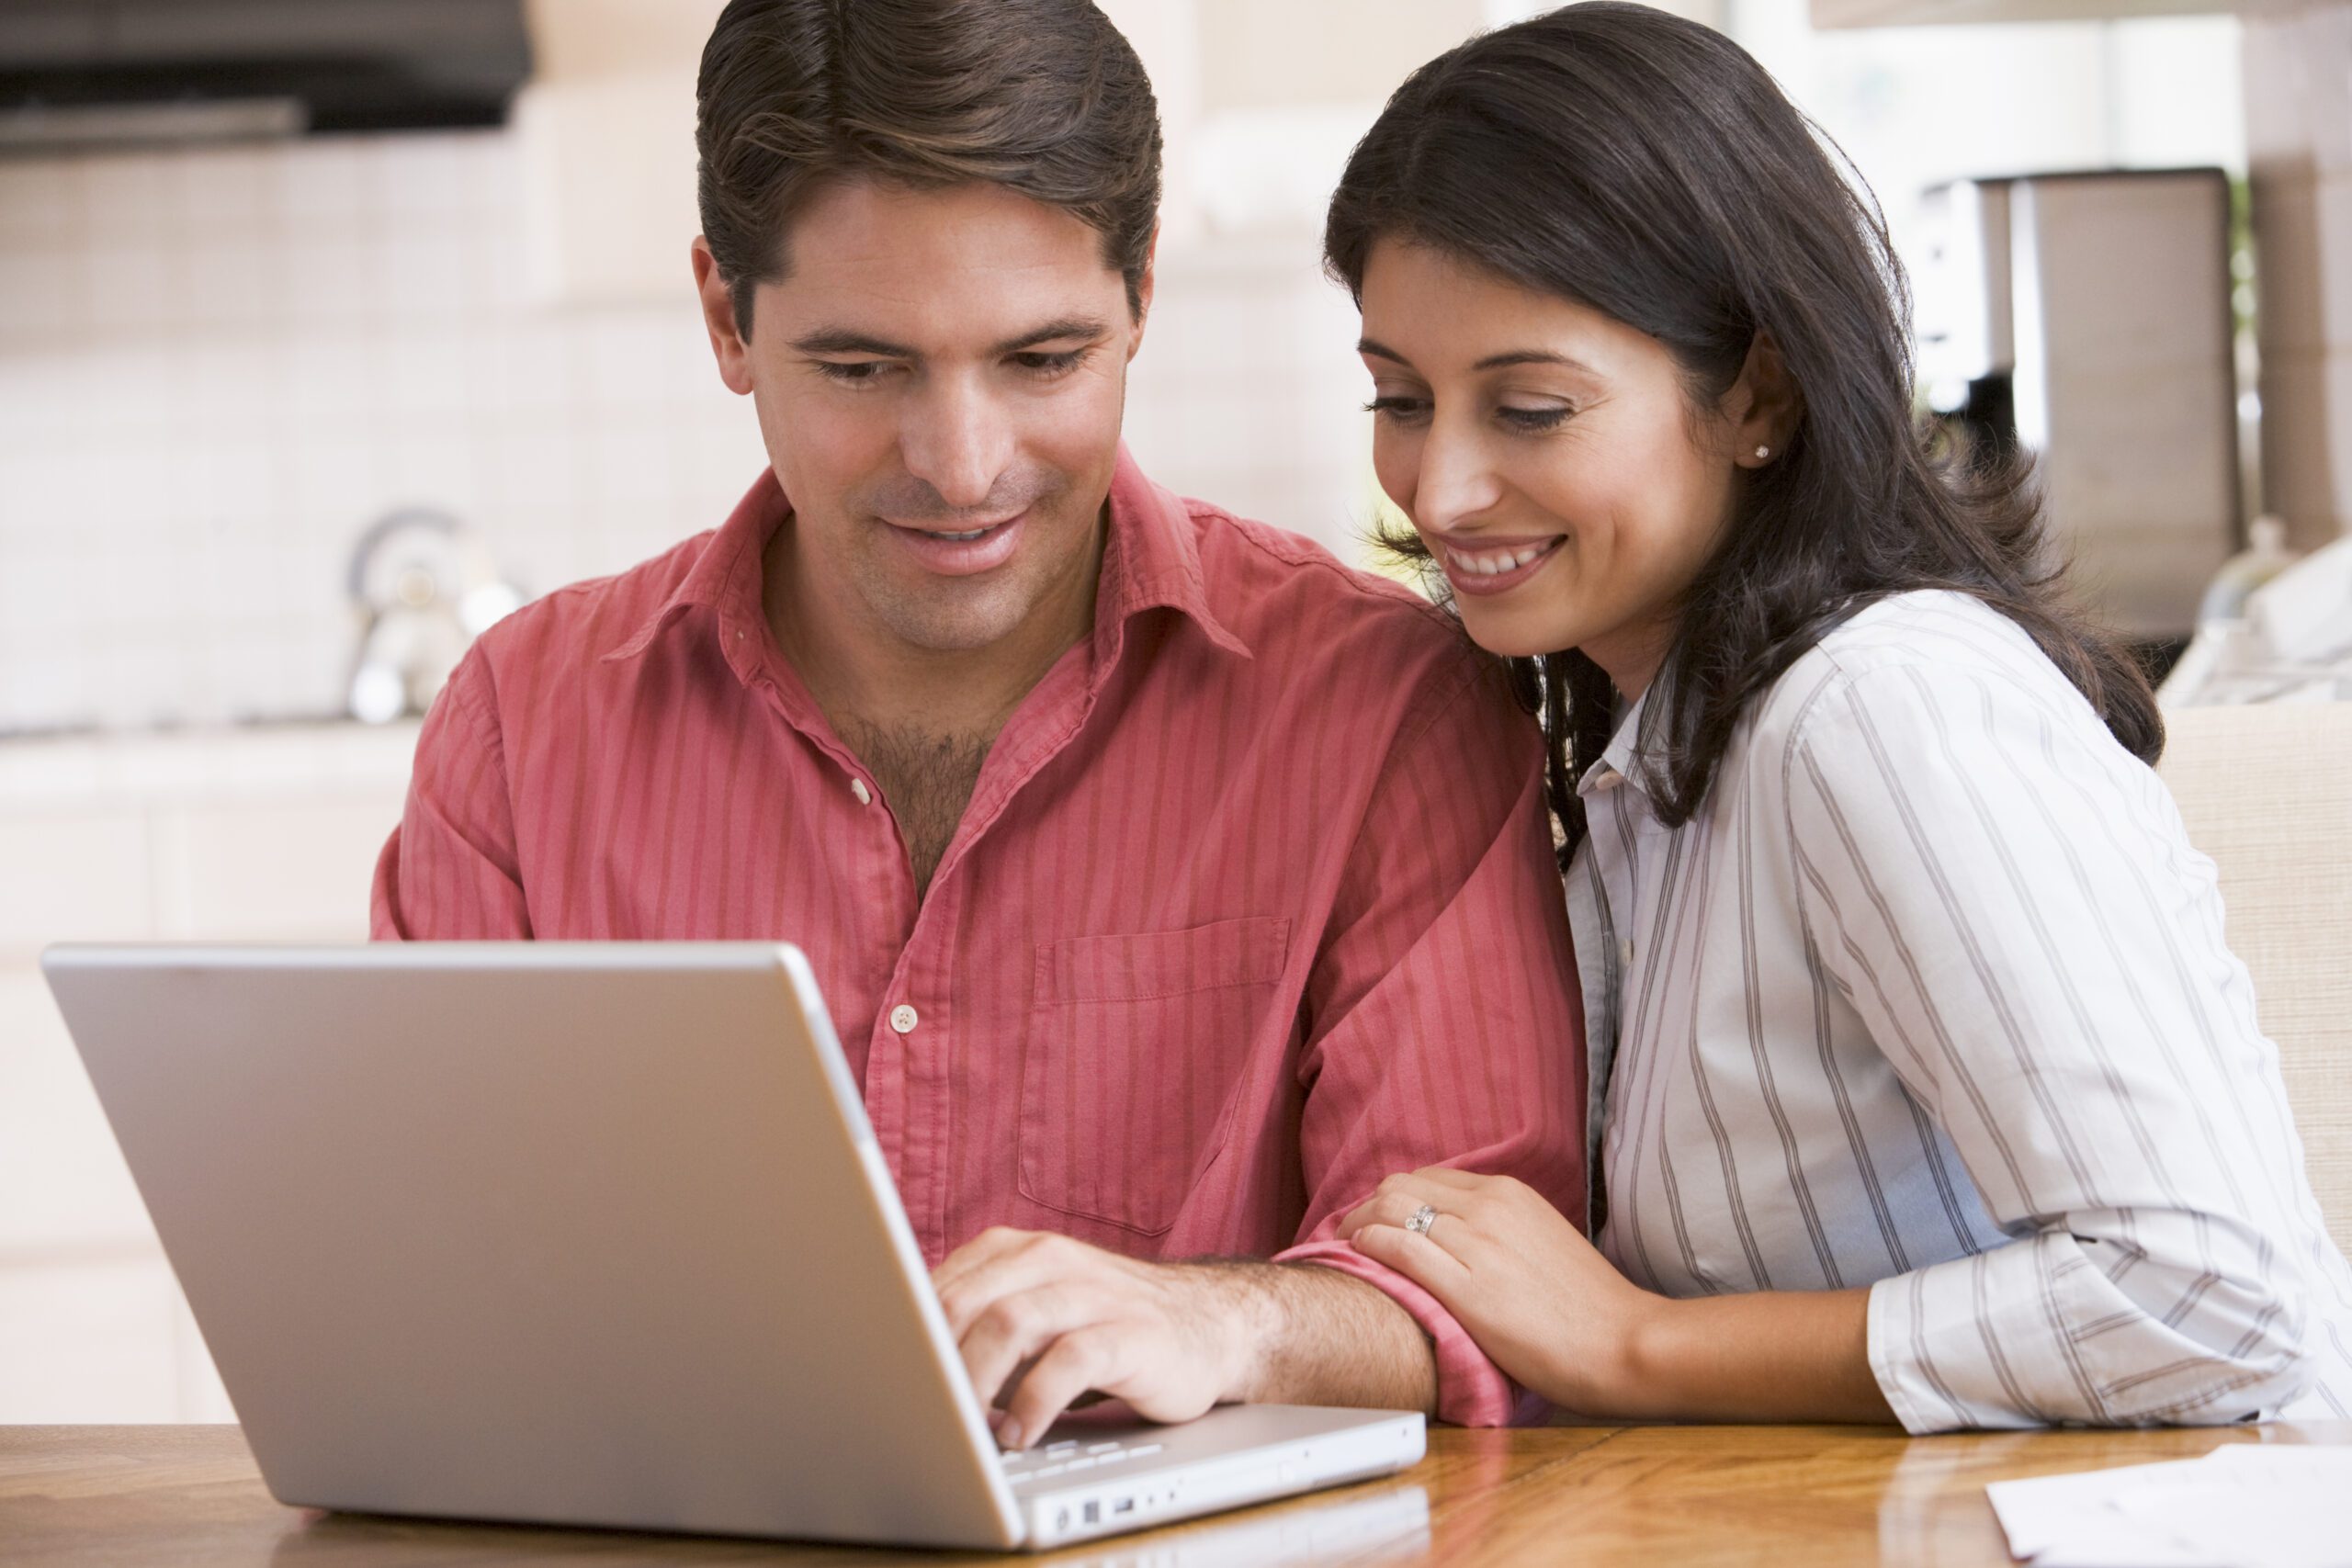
(1764, 405)
(1143, 291)
(727, 341)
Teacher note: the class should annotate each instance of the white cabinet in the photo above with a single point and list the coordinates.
(262, 836)
(63, 1191)
(93, 1340)
(66, 868)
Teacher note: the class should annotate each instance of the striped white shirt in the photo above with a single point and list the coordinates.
(1931, 996)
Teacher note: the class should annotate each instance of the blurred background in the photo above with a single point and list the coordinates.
(330, 329)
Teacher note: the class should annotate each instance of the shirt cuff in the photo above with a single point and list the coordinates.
(2033, 1333)
(1471, 1390)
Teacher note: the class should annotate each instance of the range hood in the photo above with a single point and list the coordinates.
(110, 72)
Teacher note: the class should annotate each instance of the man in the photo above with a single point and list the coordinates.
(1170, 884)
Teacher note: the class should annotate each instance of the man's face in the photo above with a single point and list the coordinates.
(940, 377)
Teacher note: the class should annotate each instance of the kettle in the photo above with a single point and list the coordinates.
(422, 587)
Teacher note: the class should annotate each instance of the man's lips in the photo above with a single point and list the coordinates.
(961, 534)
(961, 552)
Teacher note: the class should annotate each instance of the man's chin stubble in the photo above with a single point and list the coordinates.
(938, 623)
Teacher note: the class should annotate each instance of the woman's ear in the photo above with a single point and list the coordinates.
(1763, 405)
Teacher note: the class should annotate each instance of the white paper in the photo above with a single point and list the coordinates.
(2068, 1521)
(2264, 1505)
(2243, 1506)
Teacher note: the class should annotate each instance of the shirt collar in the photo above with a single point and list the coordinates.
(1151, 559)
(726, 576)
(1620, 762)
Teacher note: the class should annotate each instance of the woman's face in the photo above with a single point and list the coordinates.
(1550, 456)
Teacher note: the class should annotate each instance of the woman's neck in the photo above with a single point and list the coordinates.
(1631, 655)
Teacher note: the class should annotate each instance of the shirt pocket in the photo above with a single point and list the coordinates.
(1136, 1048)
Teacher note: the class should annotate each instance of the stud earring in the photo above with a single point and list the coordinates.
(1763, 452)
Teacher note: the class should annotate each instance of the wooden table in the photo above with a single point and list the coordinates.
(1656, 1496)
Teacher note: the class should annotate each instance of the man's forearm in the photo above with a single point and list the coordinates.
(1308, 1334)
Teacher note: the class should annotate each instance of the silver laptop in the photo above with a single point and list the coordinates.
(592, 1234)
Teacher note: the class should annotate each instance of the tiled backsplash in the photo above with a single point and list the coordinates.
(217, 366)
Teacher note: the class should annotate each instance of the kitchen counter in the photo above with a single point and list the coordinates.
(83, 771)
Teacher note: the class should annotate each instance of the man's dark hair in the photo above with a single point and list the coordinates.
(1044, 97)
(1646, 167)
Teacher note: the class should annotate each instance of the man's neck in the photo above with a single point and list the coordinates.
(920, 719)
(869, 679)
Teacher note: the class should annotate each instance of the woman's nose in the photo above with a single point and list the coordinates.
(1457, 482)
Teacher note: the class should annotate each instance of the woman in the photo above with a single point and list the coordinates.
(1924, 1085)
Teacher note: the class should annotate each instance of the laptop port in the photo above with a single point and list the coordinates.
(1095, 1513)
(1123, 1505)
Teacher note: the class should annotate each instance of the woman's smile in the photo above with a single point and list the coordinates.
(1475, 564)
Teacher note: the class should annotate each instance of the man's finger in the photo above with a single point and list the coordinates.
(1014, 1262)
(984, 1251)
(1017, 1328)
(1079, 1361)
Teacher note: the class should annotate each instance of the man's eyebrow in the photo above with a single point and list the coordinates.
(842, 340)
(846, 339)
(1061, 327)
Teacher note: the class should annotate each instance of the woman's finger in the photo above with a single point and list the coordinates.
(1459, 1181)
(1395, 1204)
(1419, 1259)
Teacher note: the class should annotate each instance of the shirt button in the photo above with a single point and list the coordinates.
(864, 796)
(902, 1019)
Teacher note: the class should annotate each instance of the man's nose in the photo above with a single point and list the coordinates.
(957, 441)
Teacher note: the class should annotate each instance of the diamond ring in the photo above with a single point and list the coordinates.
(1423, 1218)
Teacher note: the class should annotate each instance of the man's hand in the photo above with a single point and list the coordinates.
(1042, 1320)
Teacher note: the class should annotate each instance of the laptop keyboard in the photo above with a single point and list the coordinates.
(1071, 1458)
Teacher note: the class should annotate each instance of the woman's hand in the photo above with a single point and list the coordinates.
(1550, 1310)
(1545, 1306)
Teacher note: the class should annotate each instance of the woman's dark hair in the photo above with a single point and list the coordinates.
(1646, 167)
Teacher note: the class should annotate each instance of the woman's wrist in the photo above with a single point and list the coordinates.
(1768, 1356)
(1651, 1364)
(1628, 1366)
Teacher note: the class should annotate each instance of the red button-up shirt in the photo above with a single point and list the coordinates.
(1253, 904)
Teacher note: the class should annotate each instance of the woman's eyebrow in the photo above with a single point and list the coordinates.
(1492, 362)
(1531, 356)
